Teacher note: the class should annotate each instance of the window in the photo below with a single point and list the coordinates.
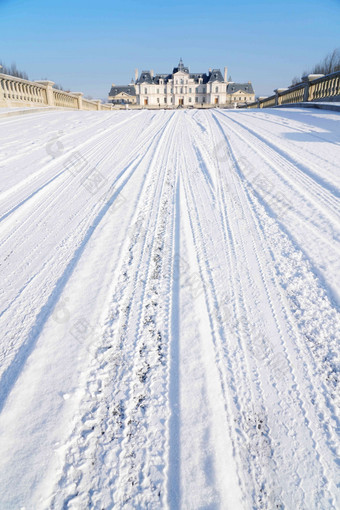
(157, 91)
(182, 82)
(189, 99)
(165, 100)
(157, 99)
(181, 90)
(145, 91)
(189, 91)
(164, 90)
(216, 89)
(203, 100)
(196, 99)
(172, 91)
(171, 100)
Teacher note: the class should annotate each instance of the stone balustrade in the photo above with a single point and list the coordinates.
(268, 101)
(16, 92)
(325, 87)
(90, 105)
(312, 88)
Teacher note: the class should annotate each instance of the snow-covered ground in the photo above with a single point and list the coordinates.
(170, 292)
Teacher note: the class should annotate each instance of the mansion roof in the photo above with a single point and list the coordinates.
(243, 87)
(118, 89)
(214, 75)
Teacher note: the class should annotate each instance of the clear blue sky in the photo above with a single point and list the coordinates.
(87, 45)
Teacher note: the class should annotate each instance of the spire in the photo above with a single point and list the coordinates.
(180, 65)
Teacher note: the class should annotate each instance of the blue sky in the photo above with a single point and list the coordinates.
(87, 45)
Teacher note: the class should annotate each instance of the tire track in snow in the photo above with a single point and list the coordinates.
(12, 371)
(239, 252)
(173, 468)
(274, 116)
(224, 376)
(234, 346)
(128, 377)
(52, 261)
(306, 409)
(141, 484)
(322, 196)
(324, 259)
(87, 145)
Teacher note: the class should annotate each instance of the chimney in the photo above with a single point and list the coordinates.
(226, 74)
(136, 74)
(151, 73)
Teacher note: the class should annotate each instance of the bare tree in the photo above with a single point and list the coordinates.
(13, 71)
(295, 81)
(330, 64)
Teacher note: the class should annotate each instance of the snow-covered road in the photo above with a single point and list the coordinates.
(169, 310)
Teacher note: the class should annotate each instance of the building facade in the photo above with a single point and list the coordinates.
(182, 88)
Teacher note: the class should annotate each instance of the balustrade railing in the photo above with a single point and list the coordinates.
(89, 105)
(16, 92)
(64, 99)
(312, 88)
(269, 101)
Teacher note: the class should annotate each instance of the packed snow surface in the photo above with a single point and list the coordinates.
(170, 291)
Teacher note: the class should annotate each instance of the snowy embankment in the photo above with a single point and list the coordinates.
(170, 310)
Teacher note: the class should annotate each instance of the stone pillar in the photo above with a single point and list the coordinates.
(98, 101)
(79, 98)
(307, 79)
(260, 100)
(277, 96)
(49, 91)
(2, 97)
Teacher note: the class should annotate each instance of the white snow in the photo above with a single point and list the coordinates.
(170, 292)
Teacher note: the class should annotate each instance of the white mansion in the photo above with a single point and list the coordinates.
(182, 88)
